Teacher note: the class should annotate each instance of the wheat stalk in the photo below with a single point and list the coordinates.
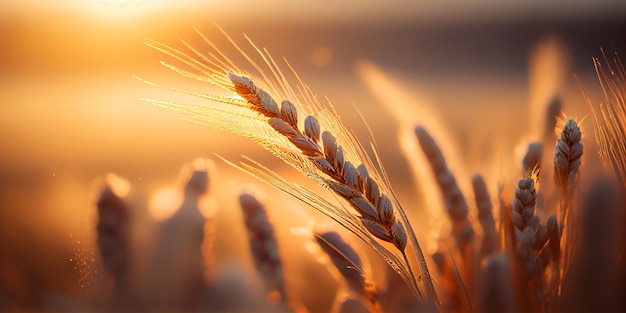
(324, 150)
(596, 279)
(496, 290)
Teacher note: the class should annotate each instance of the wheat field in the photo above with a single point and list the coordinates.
(291, 201)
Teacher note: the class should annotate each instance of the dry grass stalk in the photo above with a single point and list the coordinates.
(609, 119)
(349, 264)
(324, 151)
(264, 249)
(496, 289)
(113, 235)
(491, 239)
(455, 205)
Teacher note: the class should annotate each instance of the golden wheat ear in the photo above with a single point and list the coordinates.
(319, 146)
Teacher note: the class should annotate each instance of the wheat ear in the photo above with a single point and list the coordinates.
(526, 224)
(349, 264)
(491, 239)
(351, 182)
(455, 205)
(113, 235)
(264, 248)
(524, 219)
(567, 160)
(333, 157)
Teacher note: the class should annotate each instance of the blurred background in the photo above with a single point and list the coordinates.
(70, 109)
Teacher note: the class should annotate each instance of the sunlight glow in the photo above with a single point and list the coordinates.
(124, 3)
(119, 185)
(164, 203)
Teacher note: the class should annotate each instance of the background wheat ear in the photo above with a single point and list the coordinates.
(491, 239)
(264, 250)
(113, 236)
(350, 266)
(457, 210)
(532, 159)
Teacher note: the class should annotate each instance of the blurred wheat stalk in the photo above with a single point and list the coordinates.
(506, 259)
